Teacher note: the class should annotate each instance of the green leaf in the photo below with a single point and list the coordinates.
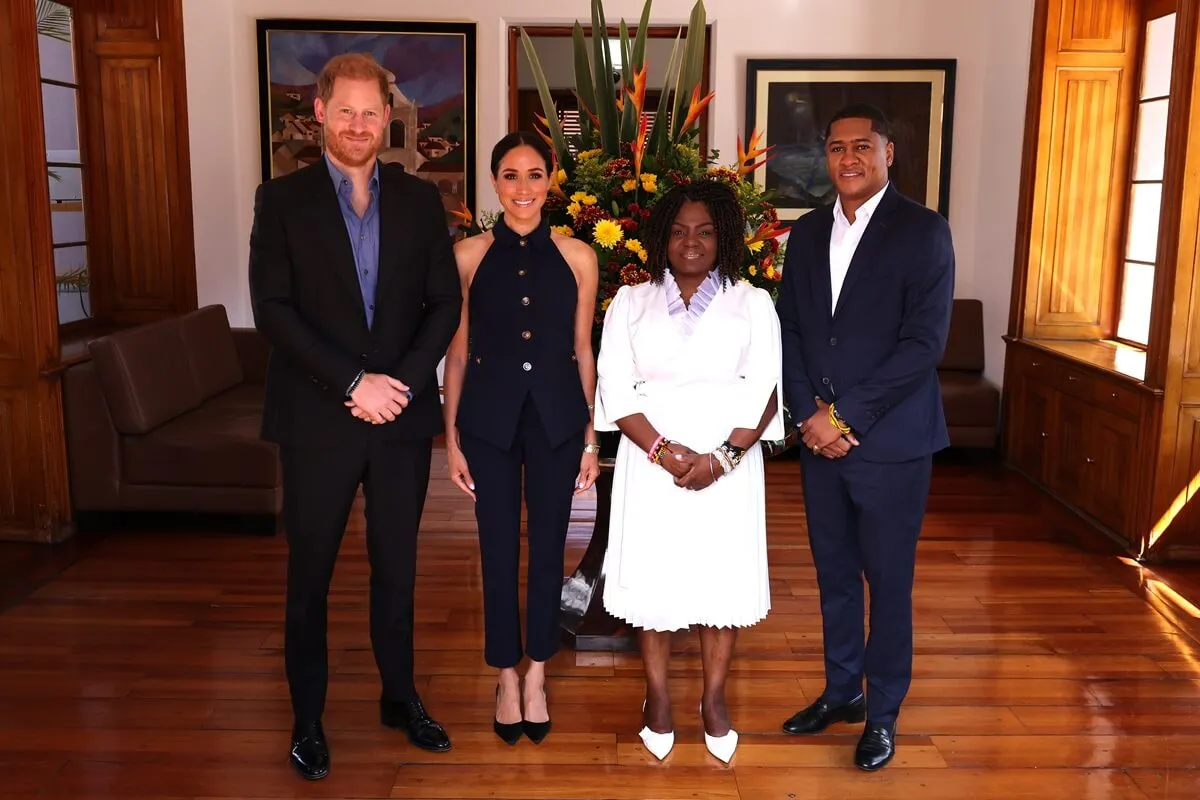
(659, 137)
(606, 98)
(584, 89)
(628, 115)
(693, 66)
(548, 108)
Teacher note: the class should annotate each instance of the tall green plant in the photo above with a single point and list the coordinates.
(611, 122)
(53, 20)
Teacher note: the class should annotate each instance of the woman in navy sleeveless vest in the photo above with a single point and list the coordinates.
(520, 383)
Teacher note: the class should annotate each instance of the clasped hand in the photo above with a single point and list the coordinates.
(690, 469)
(822, 436)
(378, 399)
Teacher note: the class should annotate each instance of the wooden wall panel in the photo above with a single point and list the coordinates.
(1080, 150)
(132, 77)
(1093, 26)
(34, 503)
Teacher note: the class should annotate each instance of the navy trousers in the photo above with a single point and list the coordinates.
(548, 475)
(864, 520)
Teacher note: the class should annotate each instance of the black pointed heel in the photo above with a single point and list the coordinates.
(537, 731)
(510, 732)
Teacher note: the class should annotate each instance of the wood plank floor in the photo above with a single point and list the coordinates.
(1046, 668)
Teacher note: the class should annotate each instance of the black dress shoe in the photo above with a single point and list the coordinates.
(821, 714)
(876, 747)
(412, 718)
(310, 753)
(510, 732)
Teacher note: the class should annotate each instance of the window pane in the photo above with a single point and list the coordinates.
(74, 296)
(54, 42)
(1136, 293)
(1144, 203)
(65, 184)
(1151, 147)
(67, 226)
(59, 118)
(1156, 60)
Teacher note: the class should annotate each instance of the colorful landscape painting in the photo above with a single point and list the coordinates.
(432, 71)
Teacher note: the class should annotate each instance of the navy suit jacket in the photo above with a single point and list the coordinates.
(876, 354)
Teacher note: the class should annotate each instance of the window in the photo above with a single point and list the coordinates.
(1146, 185)
(60, 118)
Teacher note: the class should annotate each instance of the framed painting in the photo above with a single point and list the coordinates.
(431, 66)
(791, 101)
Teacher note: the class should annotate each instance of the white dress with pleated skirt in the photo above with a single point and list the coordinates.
(678, 557)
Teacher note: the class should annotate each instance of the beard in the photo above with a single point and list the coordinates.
(351, 153)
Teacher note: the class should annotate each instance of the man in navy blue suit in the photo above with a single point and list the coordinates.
(864, 312)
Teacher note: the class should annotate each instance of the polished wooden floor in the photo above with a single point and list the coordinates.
(1046, 668)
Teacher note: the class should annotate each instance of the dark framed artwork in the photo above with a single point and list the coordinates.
(432, 128)
(791, 100)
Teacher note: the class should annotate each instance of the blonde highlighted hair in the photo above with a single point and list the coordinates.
(355, 67)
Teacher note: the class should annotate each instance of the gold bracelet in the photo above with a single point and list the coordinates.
(588, 447)
(836, 420)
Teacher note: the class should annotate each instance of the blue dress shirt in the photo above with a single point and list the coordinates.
(363, 232)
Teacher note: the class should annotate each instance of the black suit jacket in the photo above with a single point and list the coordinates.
(307, 303)
(877, 353)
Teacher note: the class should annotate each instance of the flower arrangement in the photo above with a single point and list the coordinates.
(607, 179)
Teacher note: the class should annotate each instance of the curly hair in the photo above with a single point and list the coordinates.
(728, 219)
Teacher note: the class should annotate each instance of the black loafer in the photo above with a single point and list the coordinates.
(821, 714)
(310, 752)
(412, 718)
(876, 747)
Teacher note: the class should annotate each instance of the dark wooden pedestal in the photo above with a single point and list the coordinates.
(585, 624)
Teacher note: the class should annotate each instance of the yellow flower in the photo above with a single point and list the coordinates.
(607, 233)
(578, 197)
(649, 181)
(589, 199)
(629, 185)
(770, 273)
(605, 303)
(634, 245)
(574, 209)
(563, 230)
(642, 255)
(755, 246)
(752, 270)
(586, 154)
(561, 176)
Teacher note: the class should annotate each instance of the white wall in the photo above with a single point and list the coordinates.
(989, 38)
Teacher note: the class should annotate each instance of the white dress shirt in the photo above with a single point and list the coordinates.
(844, 239)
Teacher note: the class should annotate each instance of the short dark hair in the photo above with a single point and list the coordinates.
(518, 139)
(879, 120)
(728, 219)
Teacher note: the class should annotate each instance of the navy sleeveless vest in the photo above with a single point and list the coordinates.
(522, 304)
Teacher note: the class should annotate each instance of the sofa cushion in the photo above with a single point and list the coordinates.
(146, 376)
(216, 444)
(968, 399)
(964, 347)
(212, 353)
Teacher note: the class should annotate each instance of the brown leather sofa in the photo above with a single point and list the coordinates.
(165, 417)
(971, 402)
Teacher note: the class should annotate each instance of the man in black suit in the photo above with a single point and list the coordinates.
(353, 282)
(864, 312)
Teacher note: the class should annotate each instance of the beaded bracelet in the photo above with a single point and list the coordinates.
(836, 420)
(654, 448)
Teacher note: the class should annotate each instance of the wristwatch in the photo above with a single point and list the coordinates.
(588, 447)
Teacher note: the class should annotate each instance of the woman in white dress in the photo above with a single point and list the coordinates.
(689, 372)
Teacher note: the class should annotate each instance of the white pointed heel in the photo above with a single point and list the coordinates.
(660, 744)
(720, 746)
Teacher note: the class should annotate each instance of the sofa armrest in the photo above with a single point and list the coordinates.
(93, 444)
(254, 352)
